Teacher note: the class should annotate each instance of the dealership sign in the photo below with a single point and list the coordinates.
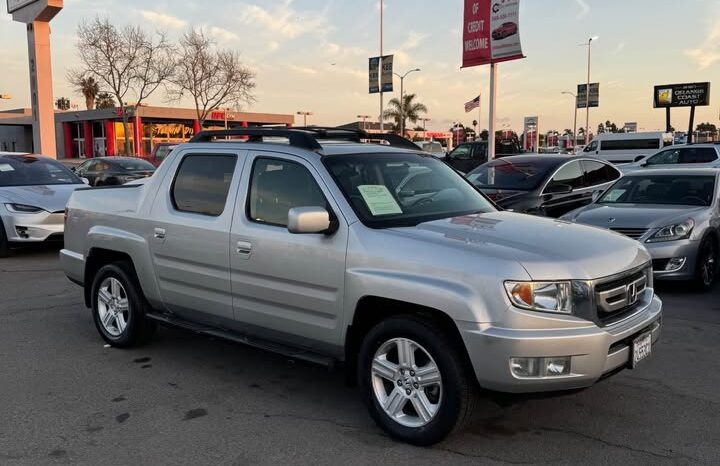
(14, 5)
(374, 75)
(582, 98)
(682, 95)
(386, 75)
(491, 32)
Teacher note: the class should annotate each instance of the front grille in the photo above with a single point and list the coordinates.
(634, 233)
(620, 297)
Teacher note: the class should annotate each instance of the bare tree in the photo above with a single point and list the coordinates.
(128, 61)
(211, 76)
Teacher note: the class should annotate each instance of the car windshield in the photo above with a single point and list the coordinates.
(503, 174)
(138, 164)
(662, 189)
(34, 171)
(395, 189)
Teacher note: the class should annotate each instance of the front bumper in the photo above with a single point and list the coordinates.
(33, 228)
(595, 351)
(666, 250)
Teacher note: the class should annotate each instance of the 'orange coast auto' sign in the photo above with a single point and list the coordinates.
(491, 32)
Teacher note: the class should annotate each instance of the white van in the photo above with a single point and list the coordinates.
(627, 147)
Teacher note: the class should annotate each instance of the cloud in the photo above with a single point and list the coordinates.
(302, 69)
(584, 8)
(222, 35)
(620, 48)
(285, 21)
(707, 53)
(162, 19)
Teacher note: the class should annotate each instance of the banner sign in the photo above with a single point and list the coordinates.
(386, 77)
(682, 95)
(582, 95)
(630, 126)
(14, 5)
(374, 75)
(491, 32)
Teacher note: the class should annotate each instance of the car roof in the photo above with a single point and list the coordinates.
(20, 156)
(674, 172)
(545, 160)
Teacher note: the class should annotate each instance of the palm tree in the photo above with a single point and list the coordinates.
(104, 100)
(409, 110)
(88, 87)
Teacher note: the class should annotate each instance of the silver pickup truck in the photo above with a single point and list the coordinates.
(319, 247)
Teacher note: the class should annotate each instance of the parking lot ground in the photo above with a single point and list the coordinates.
(186, 399)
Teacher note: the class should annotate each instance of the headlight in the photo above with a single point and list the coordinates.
(673, 232)
(23, 209)
(541, 296)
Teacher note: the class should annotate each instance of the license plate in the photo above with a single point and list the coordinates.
(641, 348)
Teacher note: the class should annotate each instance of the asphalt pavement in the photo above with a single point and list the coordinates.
(66, 398)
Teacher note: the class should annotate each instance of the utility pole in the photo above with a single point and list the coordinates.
(382, 104)
(587, 91)
(491, 116)
(424, 120)
(574, 135)
(304, 115)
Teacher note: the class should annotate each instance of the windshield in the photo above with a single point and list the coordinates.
(503, 174)
(134, 164)
(662, 189)
(390, 190)
(33, 171)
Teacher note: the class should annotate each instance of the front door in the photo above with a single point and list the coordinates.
(461, 158)
(190, 234)
(286, 286)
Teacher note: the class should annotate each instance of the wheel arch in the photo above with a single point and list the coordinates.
(98, 258)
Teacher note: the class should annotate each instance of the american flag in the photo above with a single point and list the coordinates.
(475, 103)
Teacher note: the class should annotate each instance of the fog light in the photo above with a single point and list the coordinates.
(22, 232)
(676, 263)
(525, 367)
(557, 366)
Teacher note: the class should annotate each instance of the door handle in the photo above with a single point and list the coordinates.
(159, 233)
(244, 248)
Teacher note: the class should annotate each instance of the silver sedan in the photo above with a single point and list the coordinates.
(33, 193)
(675, 213)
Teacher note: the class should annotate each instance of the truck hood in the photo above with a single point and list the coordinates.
(51, 198)
(548, 249)
(633, 215)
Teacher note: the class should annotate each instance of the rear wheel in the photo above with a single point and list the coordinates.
(414, 381)
(707, 264)
(118, 307)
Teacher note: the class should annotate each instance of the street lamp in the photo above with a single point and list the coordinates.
(402, 100)
(574, 135)
(587, 89)
(363, 118)
(304, 115)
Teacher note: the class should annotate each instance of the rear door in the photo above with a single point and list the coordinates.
(286, 286)
(190, 234)
(697, 157)
(555, 204)
(598, 177)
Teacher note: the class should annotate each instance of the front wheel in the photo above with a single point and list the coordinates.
(707, 265)
(414, 381)
(118, 307)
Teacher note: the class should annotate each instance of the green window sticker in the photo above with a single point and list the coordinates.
(379, 200)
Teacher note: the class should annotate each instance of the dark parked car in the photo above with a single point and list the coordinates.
(467, 156)
(550, 185)
(104, 171)
(160, 152)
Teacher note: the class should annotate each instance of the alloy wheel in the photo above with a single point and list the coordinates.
(113, 306)
(406, 382)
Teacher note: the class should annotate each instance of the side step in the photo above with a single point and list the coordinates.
(284, 350)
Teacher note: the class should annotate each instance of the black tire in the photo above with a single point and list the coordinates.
(138, 329)
(459, 388)
(4, 244)
(706, 269)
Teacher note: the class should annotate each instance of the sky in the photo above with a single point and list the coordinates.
(311, 55)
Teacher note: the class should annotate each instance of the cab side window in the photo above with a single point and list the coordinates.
(276, 186)
(461, 152)
(666, 157)
(592, 147)
(202, 184)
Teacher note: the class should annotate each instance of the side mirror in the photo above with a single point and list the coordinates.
(596, 195)
(73, 169)
(639, 158)
(559, 189)
(304, 220)
(85, 180)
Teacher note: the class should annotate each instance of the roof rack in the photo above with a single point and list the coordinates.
(297, 138)
(305, 137)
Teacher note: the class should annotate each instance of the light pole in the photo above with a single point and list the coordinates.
(587, 90)
(574, 135)
(363, 118)
(402, 100)
(304, 115)
(424, 120)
